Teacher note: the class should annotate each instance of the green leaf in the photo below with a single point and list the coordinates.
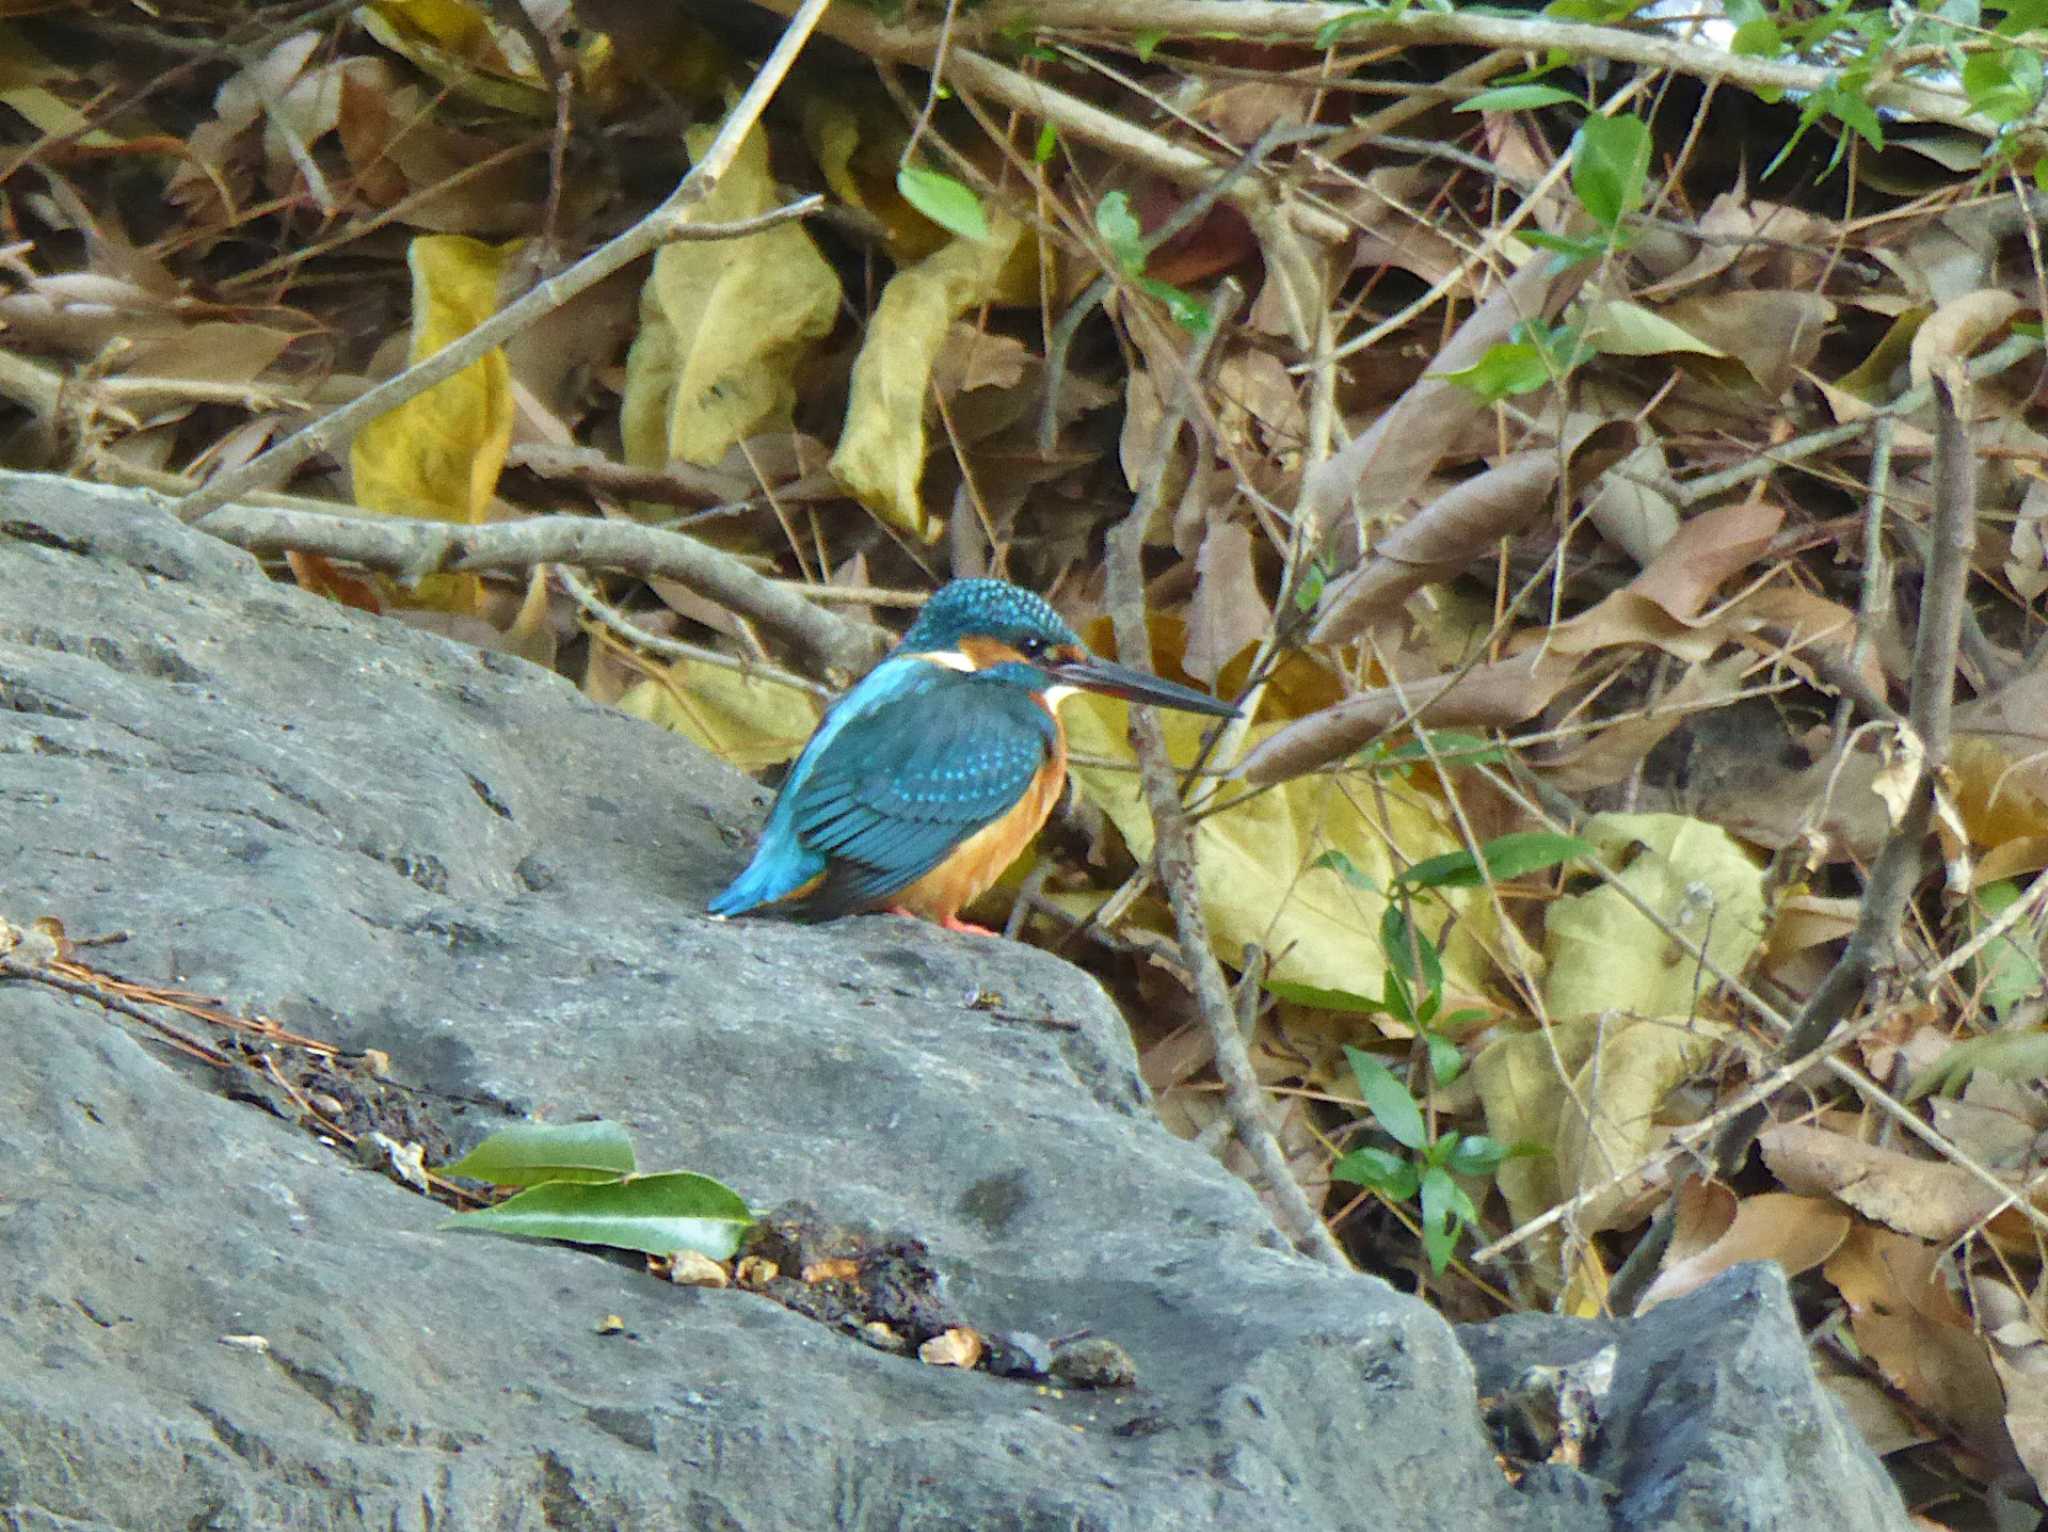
(1514, 98)
(1342, 1000)
(1570, 251)
(529, 1153)
(658, 1214)
(1147, 42)
(1446, 1060)
(1048, 143)
(1449, 748)
(2009, 968)
(1410, 952)
(1186, 310)
(1505, 371)
(1628, 329)
(950, 204)
(1757, 39)
(1388, 1100)
(2022, 17)
(2004, 85)
(1381, 1169)
(1441, 1224)
(1611, 166)
(1507, 856)
(2017, 1055)
(1328, 33)
(1600, 12)
(1476, 1155)
(1345, 868)
(1308, 591)
(1121, 231)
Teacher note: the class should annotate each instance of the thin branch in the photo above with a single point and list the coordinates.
(1762, 463)
(620, 630)
(1872, 948)
(1271, 21)
(1174, 843)
(1076, 119)
(667, 222)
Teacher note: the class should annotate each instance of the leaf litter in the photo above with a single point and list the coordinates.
(1570, 469)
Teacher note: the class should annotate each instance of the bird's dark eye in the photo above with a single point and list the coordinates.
(1031, 647)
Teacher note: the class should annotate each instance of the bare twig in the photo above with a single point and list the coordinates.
(1077, 119)
(1762, 463)
(1871, 952)
(1271, 21)
(1174, 846)
(667, 222)
(609, 620)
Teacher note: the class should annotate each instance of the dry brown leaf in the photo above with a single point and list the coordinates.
(1878, 1416)
(1620, 748)
(723, 322)
(1460, 525)
(1496, 696)
(1774, 335)
(1797, 1232)
(1999, 762)
(1802, 625)
(1957, 328)
(1659, 606)
(1229, 612)
(881, 452)
(1635, 518)
(1382, 468)
(2020, 1355)
(1924, 1198)
(1906, 1318)
(1709, 548)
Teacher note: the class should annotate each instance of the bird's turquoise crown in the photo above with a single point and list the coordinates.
(989, 608)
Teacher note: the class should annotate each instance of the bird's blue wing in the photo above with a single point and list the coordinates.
(782, 862)
(901, 785)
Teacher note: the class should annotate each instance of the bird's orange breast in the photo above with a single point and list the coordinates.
(973, 866)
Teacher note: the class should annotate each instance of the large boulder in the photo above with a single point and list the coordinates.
(385, 840)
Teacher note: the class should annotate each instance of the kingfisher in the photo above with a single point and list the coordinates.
(925, 781)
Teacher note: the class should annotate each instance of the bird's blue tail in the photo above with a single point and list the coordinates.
(780, 868)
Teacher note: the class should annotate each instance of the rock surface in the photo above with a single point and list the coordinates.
(389, 841)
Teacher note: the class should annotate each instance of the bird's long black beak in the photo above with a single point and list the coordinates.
(1092, 674)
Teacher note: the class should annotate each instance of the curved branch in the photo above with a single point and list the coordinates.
(401, 546)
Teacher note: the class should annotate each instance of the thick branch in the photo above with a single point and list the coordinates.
(401, 546)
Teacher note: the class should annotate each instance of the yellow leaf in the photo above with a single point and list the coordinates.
(464, 48)
(1623, 999)
(881, 452)
(746, 720)
(1588, 1088)
(438, 456)
(1252, 859)
(1606, 955)
(723, 323)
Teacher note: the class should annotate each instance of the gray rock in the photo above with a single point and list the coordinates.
(1713, 1418)
(389, 841)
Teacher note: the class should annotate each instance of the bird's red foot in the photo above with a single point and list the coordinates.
(950, 922)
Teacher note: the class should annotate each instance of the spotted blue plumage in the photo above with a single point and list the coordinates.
(911, 762)
(993, 608)
(890, 803)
